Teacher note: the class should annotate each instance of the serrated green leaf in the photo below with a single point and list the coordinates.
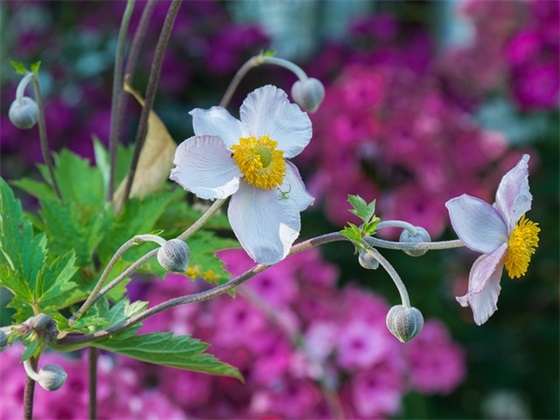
(37, 189)
(55, 283)
(18, 67)
(361, 209)
(165, 349)
(203, 262)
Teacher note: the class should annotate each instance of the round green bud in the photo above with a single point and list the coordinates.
(405, 323)
(421, 235)
(367, 260)
(52, 377)
(308, 93)
(174, 255)
(24, 113)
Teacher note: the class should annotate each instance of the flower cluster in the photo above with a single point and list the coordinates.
(385, 132)
(305, 347)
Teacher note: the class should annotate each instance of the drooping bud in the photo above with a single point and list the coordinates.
(52, 377)
(367, 260)
(24, 113)
(421, 235)
(3, 340)
(405, 323)
(174, 255)
(308, 93)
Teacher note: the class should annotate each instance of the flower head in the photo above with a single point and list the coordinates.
(501, 233)
(246, 159)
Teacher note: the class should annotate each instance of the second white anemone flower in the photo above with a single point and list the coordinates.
(246, 159)
(501, 233)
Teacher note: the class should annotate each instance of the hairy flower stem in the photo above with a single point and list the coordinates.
(43, 135)
(203, 219)
(29, 391)
(138, 39)
(394, 275)
(117, 103)
(401, 246)
(151, 89)
(397, 224)
(256, 61)
(92, 382)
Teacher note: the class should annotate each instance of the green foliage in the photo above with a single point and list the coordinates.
(204, 262)
(18, 67)
(165, 349)
(366, 212)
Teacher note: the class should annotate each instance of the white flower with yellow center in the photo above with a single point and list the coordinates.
(247, 160)
(501, 233)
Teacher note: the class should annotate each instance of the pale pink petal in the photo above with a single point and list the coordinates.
(294, 189)
(268, 112)
(478, 224)
(217, 121)
(265, 224)
(484, 285)
(204, 166)
(513, 198)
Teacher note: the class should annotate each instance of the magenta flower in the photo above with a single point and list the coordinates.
(501, 233)
(246, 160)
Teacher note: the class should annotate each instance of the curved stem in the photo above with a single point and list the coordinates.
(43, 135)
(401, 224)
(151, 92)
(124, 247)
(200, 222)
(401, 246)
(117, 98)
(72, 340)
(394, 275)
(256, 61)
(20, 91)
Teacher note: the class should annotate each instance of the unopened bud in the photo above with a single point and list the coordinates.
(174, 255)
(51, 377)
(421, 235)
(24, 112)
(405, 323)
(308, 93)
(3, 340)
(44, 326)
(367, 260)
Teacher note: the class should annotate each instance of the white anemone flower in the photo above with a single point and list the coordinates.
(501, 233)
(246, 159)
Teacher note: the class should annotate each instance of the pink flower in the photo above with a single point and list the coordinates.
(501, 233)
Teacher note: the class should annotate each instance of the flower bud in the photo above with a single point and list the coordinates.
(308, 93)
(174, 255)
(368, 261)
(421, 235)
(3, 340)
(24, 113)
(52, 377)
(44, 326)
(405, 323)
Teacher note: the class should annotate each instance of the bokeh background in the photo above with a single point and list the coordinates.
(425, 100)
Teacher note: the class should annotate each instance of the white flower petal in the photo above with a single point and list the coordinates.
(477, 223)
(484, 285)
(294, 189)
(205, 167)
(217, 121)
(265, 224)
(513, 198)
(267, 112)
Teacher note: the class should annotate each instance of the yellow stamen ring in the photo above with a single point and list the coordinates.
(523, 240)
(262, 165)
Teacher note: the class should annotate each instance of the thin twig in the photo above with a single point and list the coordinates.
(151, 92)
(117, 98)
(92, 382)
(29, 392)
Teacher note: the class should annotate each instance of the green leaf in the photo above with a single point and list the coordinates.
(19, 67)
(360, 208)
(165, 349)
(37, 189)
(204, 263)
(35, 67)
(54, 285)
